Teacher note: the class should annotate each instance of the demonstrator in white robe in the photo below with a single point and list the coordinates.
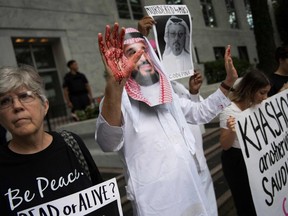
(197, 131)
(151, 134)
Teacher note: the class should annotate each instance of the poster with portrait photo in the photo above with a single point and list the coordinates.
(262, 132)
(173, 37)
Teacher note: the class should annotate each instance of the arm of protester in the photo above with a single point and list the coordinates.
(231, 73)
(118, 68)
(227, 136)
(195, 83)
(145, 25)
(204, 111)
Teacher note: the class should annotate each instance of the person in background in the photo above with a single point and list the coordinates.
(77, 91)
(251, 90)
(3, 133)
(146, 122)
(36, 167)
(279, 79)
(176, 56)
(195, 82)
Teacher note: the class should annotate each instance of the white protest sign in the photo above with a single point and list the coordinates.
(173, 36)
(91, 200)
(263, 135)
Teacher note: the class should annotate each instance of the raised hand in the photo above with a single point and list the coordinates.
(195, 82)
(145, 24)
(117, 65)
(231, 72)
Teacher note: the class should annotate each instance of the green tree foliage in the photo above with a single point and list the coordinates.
(263, 32)
(281, 17)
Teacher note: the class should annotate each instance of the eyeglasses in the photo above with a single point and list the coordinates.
(174, 34)
(23, 97)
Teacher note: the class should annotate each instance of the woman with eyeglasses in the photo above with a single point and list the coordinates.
(36, 166)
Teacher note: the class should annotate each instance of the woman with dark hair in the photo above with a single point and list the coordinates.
(250, 91)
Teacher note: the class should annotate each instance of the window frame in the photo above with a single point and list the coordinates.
(209, 13)
(219, 50)
(234, 24)
(132, 14)
(174, 2)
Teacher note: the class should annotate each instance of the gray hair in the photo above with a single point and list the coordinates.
(12, 78)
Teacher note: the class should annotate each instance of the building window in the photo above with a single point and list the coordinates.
(208, 13)
(219, 52)
(249, 16)
(232, 14)
(174, 2)
(129, 9)
(243, 54)
(38, 53)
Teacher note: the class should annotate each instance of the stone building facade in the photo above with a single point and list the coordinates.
(46, 34)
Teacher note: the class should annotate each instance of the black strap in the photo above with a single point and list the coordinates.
(70, 140)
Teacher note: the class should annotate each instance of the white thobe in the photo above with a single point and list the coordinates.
(159, 154)
(197, 131)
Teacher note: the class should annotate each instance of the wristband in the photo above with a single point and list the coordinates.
(228, 88)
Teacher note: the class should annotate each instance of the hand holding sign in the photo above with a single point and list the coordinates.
(231, 123)
(145, 25)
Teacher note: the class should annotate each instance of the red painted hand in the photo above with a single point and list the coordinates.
(113, 56)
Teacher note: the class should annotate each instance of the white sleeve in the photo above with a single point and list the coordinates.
(204, 111)
(110, 138)
(196, 97)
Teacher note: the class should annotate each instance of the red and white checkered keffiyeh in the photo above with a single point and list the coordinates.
(132, 87)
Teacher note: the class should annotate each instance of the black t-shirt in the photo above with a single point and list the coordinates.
(76, 83)
(277, 81)
(34, 179)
